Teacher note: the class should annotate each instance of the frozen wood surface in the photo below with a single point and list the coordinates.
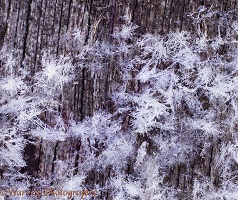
(33, 26)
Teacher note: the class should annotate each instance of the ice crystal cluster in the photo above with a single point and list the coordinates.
(176, 102)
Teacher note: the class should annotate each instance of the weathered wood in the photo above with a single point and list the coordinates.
(31, 27)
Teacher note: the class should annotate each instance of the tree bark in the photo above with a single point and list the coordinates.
(31, 27)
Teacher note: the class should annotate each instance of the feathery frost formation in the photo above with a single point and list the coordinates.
(177, 99)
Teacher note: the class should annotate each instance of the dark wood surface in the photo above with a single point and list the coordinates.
(33, 26)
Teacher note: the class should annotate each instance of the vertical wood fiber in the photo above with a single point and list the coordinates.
(33, 26)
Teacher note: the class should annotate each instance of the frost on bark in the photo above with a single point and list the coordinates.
(32, 27)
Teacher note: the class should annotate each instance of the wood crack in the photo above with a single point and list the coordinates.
(26, 32)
